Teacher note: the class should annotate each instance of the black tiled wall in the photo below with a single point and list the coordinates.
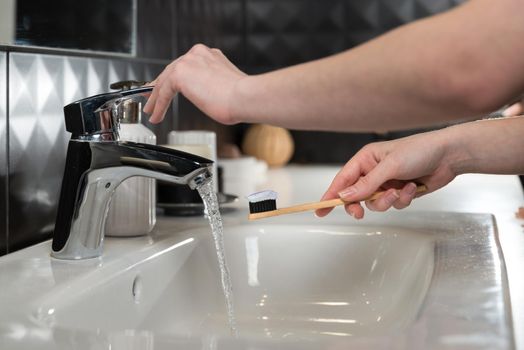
(156, 29)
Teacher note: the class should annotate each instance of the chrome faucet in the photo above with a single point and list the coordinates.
(97, 162)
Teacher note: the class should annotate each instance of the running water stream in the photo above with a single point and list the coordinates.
(210, 200)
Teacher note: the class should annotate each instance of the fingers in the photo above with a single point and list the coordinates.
(347, 175)
(406, 195)
(164, 91)
(385, 201)
(355, 210)
(398, 199)
(369, 183)
(351, 174)
(399, 196)
(162, 94)
(149, 108)
(205, 77)
(162, 102)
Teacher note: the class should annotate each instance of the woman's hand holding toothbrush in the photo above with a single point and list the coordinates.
(395, 166)
(432, 159)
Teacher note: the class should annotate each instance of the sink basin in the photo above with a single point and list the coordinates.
(407, 281)
(289, 281)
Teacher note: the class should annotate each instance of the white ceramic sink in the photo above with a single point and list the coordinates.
(407, 281)
(289, 281)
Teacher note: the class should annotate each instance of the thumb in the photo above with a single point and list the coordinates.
(366, 185)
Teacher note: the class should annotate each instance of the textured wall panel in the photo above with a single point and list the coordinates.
(39, 86)
(232, 31)
(156, 29)
(198, 21)
(3, 154)
(214, 23)
(284, 32)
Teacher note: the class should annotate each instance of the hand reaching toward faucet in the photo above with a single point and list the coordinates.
(433, 159)
(203, 75)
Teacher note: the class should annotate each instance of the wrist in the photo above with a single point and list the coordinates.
(456, 151)
(242, 101)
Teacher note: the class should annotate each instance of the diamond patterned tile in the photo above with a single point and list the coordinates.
(97, 76)
(74, 73)
(285, 32)
(198, 22)
(396, 12)
(156, 29)
(3, 154)
(135, 71)
(277, 16)
(363, 14)
(232, 30)
(116, 70)
(231, 17)
(3, 111)
(328, 17)
(425, 8)
(39, 87)
(37, 141)
(214, 23)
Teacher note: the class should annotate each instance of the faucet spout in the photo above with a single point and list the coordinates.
(92, 173)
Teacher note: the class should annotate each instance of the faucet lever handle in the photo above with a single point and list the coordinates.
(99, 115)
(126, 84)
(126, 108)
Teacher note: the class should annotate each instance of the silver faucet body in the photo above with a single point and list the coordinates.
(97, 162)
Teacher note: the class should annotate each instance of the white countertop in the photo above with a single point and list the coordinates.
(499, 195)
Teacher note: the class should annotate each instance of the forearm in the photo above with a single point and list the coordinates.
(449, 67)
(487, 146)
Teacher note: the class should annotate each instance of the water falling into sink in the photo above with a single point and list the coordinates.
(212, 212)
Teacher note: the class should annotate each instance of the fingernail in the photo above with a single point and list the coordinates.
(411, 188)
(350, 212)
(347, 192)
(392, 197)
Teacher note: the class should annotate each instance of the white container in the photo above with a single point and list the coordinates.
(198, 142)
(132, 211)
(241, 176)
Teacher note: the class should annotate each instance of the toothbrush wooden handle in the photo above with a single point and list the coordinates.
(317, 205)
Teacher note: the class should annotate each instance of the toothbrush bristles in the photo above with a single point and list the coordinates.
(262, 206)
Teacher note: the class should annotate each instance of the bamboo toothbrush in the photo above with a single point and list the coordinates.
(264, 204)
